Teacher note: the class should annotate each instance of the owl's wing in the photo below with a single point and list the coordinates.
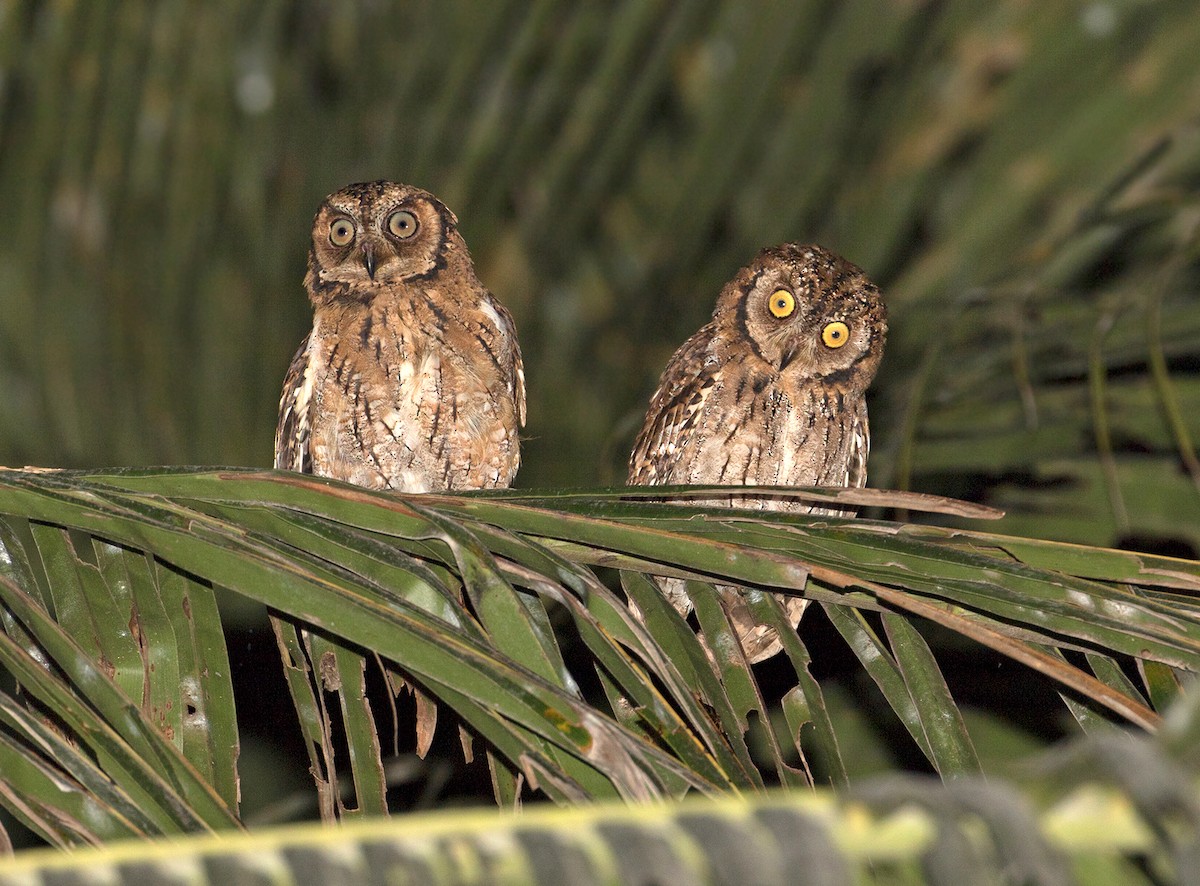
(674, 410)
(292, 432)
(860, 448)
(516, 381)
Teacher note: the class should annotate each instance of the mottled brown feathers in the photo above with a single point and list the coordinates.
(411, 378)
(757, 397)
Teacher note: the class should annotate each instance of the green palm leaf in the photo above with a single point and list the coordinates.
(371, 574)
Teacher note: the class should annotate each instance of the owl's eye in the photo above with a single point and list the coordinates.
(835, 334)
(782, 303)
(341, 232)
(402, 224)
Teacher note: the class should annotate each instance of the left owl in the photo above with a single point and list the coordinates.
(411, 378)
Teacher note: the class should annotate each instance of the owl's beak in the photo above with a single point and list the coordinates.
(368, 259)
(788, 355)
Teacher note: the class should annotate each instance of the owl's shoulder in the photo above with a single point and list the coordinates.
(510, 362)
(294, 429)
(860, 446)
(692, 375)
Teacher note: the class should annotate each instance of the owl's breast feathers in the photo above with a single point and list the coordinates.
(403, 392)
(769, 393)
(721, 417)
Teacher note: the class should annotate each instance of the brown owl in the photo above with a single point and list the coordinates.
(770, 393)
(411, 378)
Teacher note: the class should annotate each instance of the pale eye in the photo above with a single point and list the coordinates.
(341, 231)
(402, 224)
(835, 334)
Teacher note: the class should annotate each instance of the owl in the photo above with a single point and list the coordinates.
(411, 378)
(769, 393)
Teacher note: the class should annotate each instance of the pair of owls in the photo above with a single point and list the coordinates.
(412, 380)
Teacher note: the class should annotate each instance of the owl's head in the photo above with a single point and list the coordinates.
(809, 313)
(380, 232)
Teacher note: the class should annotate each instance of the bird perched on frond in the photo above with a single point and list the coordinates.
(769, 393)
(411, 378)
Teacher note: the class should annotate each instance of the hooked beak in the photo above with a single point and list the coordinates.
(368, 258)
(788, 356)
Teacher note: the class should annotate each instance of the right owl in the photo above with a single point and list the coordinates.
(769, 393)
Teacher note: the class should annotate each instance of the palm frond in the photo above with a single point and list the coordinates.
(478, 599)
(1084, 815)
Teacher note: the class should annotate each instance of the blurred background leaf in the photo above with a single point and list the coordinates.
(1077, 818)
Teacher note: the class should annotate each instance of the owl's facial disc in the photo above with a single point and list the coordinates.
(800, 324)
(378, 233)
(805, 313)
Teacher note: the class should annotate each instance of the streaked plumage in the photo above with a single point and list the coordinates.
(763, 397)
(411, 378)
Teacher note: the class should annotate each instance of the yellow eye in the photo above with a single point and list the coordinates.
(782, 303)
(835, 334)
(341, 232)
(402, 224)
